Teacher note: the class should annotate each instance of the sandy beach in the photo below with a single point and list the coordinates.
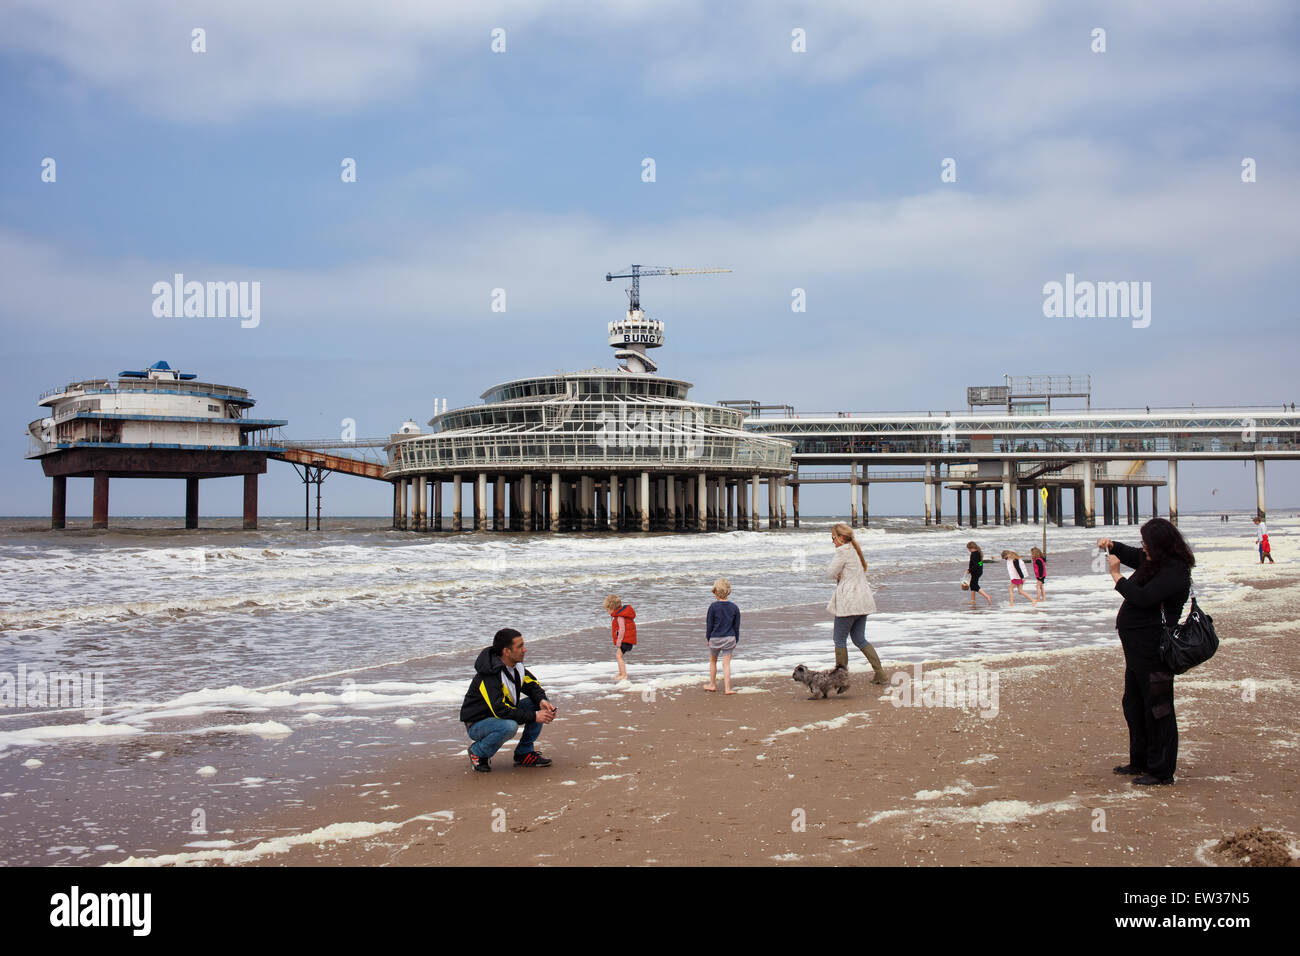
(670, 774)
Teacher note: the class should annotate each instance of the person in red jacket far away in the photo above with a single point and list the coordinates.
(622, 629)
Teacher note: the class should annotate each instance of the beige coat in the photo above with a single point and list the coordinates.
(852, 592)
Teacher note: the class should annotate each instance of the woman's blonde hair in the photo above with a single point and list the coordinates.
(1035, 553)
(722, 588)
(1010, 555)
(612, 603)
(842, 530)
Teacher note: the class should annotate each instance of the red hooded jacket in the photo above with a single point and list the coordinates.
(629, 615)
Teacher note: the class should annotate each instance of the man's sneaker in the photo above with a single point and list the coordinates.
(479, 763)
(532, 759)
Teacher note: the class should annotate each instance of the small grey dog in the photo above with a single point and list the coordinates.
(823, 682)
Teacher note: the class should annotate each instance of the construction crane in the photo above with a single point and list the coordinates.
(635, 272)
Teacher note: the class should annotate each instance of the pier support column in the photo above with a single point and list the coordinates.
(864, 498)
(1173, 490)
(615, 503)
(974, 518)
(456, 498)
(59, 503)
(191, 502)
(938, 494)
(397, 505)
(853, 494)
(753, 504)
(480, 502)
(702, 501)
(1007, 502)
(437, 504)
(1024, 506)
(250, 502)
(499, 503)
(997, 506)
(1034, 494)
(795, 503)
(417, 503)
(1089, 496)
(644, 501)
(1058, 501)
(586, 501)
(1259, 489)
(984, 506)
(929, 494)
(670, 500)
(555, 501)
(99, 510)
(781, 486)
(728, 503)
(958, 507)
(771, 504)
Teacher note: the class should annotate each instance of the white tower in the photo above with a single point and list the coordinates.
(632, 336)
(635, 333)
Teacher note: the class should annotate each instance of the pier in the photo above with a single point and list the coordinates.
(1026, 447)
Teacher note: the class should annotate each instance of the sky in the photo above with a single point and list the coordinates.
(502, 145)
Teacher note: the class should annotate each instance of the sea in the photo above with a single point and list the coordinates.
(160, 687)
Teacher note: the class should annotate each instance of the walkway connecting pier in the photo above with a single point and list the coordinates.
(1015, 455)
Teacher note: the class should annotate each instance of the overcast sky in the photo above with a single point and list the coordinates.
(522, 170)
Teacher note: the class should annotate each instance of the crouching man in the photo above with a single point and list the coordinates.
(502, 696)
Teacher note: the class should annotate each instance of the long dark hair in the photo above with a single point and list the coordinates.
(1163, 543)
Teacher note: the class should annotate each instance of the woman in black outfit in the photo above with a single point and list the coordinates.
(1161, 580)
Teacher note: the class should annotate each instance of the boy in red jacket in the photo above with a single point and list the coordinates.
(623, 630)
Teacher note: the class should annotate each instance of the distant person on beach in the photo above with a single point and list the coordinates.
(1039, 562)
(502, 697)
(1016, 572)
(622, 629)
(722, 632)
(1153, 595)
(975, 567)
(1261, 539)
(852, 600)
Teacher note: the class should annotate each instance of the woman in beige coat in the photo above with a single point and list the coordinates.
(852, 600)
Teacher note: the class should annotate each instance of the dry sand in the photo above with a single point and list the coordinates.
(769, 777)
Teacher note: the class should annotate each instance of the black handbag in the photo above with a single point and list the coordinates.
(1186, 645)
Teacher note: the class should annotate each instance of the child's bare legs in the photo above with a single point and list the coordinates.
(986, 597)
(1011, 594)
(1041, 594)
(726, 675)
(1021, 589)
(622, 667)
(713, 672)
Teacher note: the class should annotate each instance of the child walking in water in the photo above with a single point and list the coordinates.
(1261, 541)
(975, 568)
(623, 630)
(1040, 570)
(1017, 575)
(722, 631)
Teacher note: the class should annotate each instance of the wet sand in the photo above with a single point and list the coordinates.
(680, 776)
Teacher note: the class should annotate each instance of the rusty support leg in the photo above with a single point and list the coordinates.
(99, 517)
(59, 503)
(191, 502)
(250, 502)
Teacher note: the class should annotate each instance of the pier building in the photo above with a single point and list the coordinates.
(618, 449)
(156, 422)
